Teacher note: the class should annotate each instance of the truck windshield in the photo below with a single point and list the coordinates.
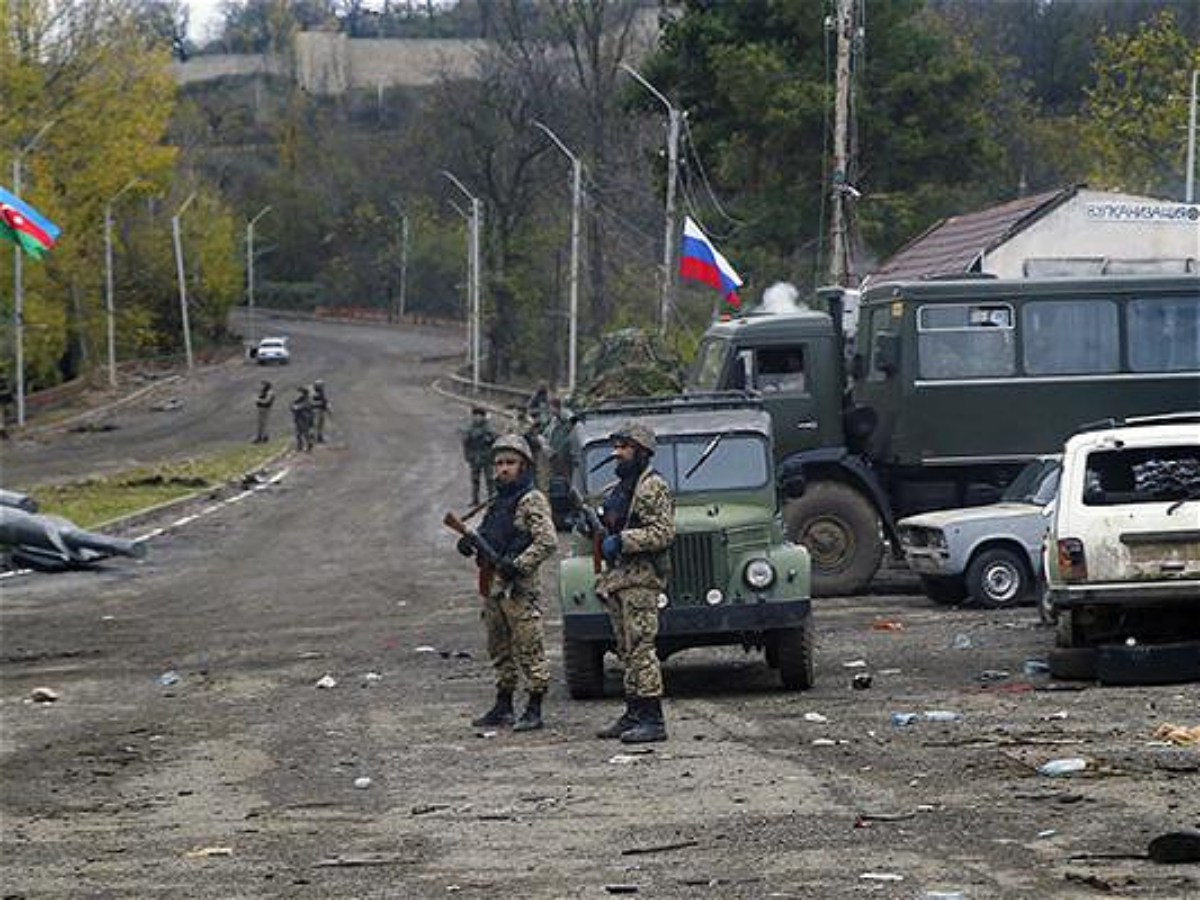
(710, 361)
(737, 462)
(1037, 483)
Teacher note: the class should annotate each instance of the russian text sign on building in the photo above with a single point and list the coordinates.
(1144, 213)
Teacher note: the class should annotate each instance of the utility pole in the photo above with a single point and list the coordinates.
(845, 26)
(674, 120)
(573, 289)
(250, 270)
(183, 301)
(403, 264)
(470, 267)
(109, 306)
(1190, 193)
(18, 279)
(476, 272)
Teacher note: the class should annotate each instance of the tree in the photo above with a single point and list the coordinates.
(1135, 120)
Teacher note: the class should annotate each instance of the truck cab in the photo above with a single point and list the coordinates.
(735, 579)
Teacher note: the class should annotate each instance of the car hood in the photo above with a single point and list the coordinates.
(994, 512)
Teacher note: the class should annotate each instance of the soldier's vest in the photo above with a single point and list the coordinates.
(499, 526)
(626, 517)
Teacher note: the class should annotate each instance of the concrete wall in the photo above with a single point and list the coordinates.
(330, 63)
(1098, 226)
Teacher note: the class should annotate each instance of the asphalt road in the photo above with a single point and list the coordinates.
(239, 779)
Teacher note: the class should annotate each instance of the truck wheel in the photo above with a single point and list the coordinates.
(943, 589)
(841, 531)
(998, 579)
(583, 662)
(794, 653)
(1073, 663)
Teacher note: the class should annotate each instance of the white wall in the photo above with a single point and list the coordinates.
(1096, 224)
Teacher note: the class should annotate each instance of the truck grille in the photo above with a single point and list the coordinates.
(694, 567)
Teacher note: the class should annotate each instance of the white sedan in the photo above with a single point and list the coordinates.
(273, 350)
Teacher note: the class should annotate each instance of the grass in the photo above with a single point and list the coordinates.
(91, 501)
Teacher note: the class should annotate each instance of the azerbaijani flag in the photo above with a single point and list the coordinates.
(701, 261)
(25, 226)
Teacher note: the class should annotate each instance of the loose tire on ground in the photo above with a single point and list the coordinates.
(943, 589)
(1174, 663)
(998, 578)
(842, 533)
(794, 652)
(1073, 663)
(583, 663)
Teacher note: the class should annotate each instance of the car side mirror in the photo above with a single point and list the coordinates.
(886, 352)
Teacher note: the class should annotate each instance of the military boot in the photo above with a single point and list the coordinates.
(623, 724)
(531, 719)
(501, 712)
(649, 726)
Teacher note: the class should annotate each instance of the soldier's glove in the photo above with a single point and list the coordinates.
(466, 546)
(508, 569)
(610, 547)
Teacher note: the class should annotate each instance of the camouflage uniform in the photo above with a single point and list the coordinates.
(631, 586)
(302, 418)
(512, 611)
(477, 440)
(263, 403)
(320, 405)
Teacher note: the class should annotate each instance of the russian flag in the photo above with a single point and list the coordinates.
(25, 226)
(699, 260)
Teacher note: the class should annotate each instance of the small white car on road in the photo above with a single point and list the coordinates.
(1123, 553)
(991, 554)
(273, 350)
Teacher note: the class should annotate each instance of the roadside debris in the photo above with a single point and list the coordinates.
(207, 852)
(327, 681)
(815, 718)
(1066, 766)
(887, 625)
(362, 783)
(425, 648)
(92, 427)
(861, 681)
(1036, 667)
(167, 404)
(855, 664)
(166, 679)
(1178, 734)
(424, 809)
(660, 848)
(1176, 847)
(881, 876)
(372, 678)
(903, 719)
(43, 695)
(621, 888)
(961, 642)
(54, 544)
(359, 859)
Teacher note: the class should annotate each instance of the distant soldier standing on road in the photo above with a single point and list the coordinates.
(320, 405)
(302, 419)
(477, 440)
(519, 528)
(639, 520)
(263, 403)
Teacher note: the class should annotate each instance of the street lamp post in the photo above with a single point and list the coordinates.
(476, 272)
(18, 279)
(250, 270)
(674, 118)
(576, 210)
(466, 216)
(109, 306)
(1190, 193)
(183, 301)
(403, 304)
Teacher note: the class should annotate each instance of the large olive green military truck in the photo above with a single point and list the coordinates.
(735, 579)
(952, 387)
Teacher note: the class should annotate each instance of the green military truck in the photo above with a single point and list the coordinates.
(735, 579)
(952, 386)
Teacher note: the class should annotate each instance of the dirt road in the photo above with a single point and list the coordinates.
(124, 786)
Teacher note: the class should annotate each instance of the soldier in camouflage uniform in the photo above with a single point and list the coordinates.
(302, 419)
(477, 440)
(639, 521)
(519, 528)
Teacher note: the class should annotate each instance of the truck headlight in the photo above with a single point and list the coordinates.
(759, 574)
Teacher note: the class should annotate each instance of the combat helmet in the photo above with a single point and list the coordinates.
(513, 443)
(636, 433)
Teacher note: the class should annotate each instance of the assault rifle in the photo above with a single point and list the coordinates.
(591, 526)
(486, 554)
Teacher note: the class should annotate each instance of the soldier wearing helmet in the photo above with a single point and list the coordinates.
(302, 419)
(518, 526)
(639, 521)
(477, 440)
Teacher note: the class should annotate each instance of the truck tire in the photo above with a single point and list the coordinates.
(842, 533)
(1176, 663)
(998, 578)
(793, 651)
(943, 589)
(1073, 663)
(583, 662)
